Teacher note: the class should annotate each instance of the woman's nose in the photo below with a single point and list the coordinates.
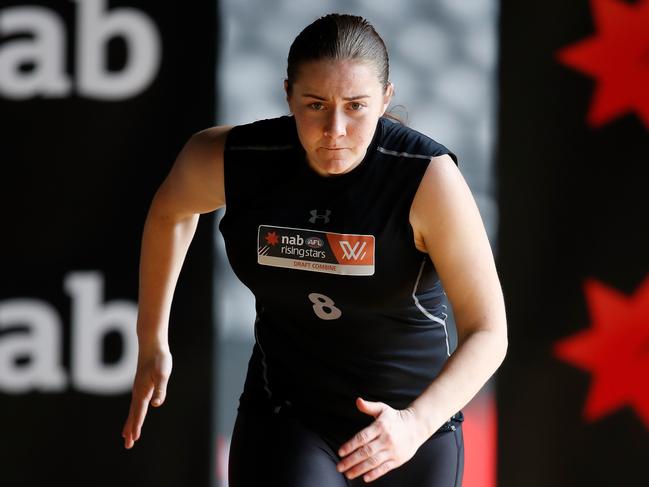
(335, 126)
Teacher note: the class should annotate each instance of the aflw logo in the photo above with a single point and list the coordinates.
(356, 252)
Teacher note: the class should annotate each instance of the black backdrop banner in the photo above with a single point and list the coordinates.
(96, 99)
(574, 123)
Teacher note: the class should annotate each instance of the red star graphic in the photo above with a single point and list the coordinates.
(272, 238)
(618, 58)
(615, 350)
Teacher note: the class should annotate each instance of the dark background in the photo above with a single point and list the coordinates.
(573, 206)
(78, 175)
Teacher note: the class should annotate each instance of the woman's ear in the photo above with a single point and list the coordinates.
(387, 97)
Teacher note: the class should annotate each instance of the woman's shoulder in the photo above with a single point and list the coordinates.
(263, 134)
(398, 138)
(211, 135)
(260, 132)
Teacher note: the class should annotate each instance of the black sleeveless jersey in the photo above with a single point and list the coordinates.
(346, 305)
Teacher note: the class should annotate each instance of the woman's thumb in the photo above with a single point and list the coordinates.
(159, 393)
(369, 407)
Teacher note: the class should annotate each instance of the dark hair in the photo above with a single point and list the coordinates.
(339, 37)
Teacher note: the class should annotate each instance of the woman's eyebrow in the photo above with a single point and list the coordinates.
(351, 98)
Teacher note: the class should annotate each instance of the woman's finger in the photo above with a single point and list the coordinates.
(369, 464)
(359, 439)
(137, 413)
(140, 408)
(382, 469)
(359, 455)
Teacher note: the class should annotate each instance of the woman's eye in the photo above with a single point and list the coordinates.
(356, 106)
(315, 105)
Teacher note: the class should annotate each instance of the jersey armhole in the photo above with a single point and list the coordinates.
(228, 173)
(453, 156)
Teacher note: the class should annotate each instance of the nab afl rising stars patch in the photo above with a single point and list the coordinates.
(312, 250)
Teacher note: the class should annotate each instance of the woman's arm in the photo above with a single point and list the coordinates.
(193, 186)
(447, 225)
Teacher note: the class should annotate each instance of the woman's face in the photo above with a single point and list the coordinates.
(337, 105)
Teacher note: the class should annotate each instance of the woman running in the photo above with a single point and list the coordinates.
(344, 224)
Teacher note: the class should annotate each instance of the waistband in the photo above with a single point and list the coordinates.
(451, 424)
(287, 409)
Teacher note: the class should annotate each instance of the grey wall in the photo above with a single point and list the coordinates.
(442, 55)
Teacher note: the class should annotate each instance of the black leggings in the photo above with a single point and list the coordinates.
(278, 449)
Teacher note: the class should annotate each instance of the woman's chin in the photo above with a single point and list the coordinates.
(333, 167)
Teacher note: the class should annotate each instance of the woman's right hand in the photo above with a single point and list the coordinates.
(149, 387)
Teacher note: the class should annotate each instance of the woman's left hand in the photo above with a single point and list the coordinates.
(390, 441)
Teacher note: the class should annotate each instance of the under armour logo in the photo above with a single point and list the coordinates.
(315, 216)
